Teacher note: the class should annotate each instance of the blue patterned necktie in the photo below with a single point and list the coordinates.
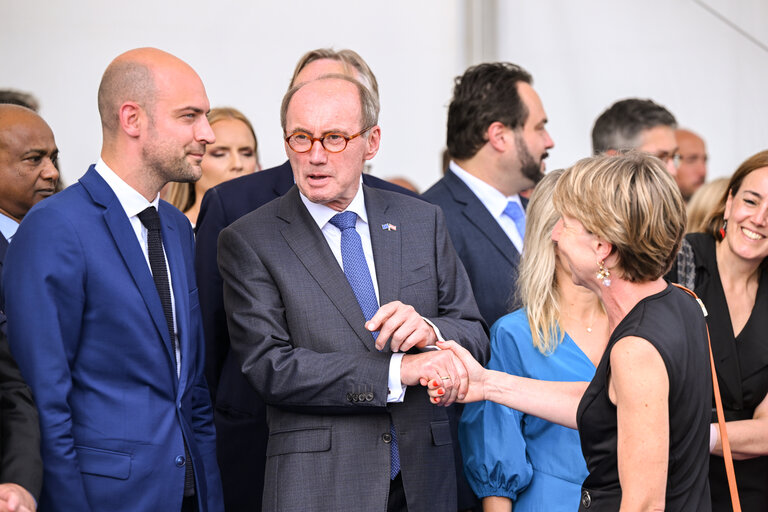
(359, 277)
(515, 212)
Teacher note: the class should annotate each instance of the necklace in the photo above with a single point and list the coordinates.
(588, 325)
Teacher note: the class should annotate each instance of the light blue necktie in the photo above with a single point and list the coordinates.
(515, 212)
(359, 277)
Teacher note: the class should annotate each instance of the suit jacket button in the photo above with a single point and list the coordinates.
(387, 438)
(180, 460)
(586, 499)
(369, 397)
(349, 397)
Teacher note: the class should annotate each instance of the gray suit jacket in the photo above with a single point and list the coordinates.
(298, 330)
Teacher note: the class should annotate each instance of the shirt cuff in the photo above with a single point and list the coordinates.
(396, 388)
(437, 333)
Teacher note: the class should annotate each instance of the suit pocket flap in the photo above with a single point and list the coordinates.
(441, 433)
(416, 275)
(299, 441)
(94, 461)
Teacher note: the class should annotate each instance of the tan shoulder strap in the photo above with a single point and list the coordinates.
(720, 417)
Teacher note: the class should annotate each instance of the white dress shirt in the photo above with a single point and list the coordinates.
(494, 201)
(134, 203)
(322, 215)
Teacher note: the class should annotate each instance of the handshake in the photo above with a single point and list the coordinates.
(451, 374)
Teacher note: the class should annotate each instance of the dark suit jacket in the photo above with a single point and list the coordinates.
(489, 256)
(88, 331)
(3, 249)
(20, 461)
(299, 334)
(239, 412)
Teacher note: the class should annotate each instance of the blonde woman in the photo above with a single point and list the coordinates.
(511, 457)
(235, 153)
(703, 202)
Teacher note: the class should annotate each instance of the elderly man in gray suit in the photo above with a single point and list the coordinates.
(350, 426)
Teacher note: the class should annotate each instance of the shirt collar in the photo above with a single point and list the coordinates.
(8, 226)
(322, 214)
(493, 200)
(130, 199)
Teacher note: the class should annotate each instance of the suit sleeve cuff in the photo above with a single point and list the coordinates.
(396, 388)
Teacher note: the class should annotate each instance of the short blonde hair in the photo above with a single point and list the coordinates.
(631, 202)
(182, 195)
(703, 202)
(537, 286)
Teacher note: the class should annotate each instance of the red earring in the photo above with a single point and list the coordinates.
(722, 230)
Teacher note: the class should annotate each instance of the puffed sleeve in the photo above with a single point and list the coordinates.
(491, 435)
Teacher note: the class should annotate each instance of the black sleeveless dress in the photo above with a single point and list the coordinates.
(741, 363)
(674, 324)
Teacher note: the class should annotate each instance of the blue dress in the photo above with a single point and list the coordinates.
(535, 463)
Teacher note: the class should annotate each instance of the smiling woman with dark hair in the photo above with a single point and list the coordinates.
(726, 269)
(643, 420)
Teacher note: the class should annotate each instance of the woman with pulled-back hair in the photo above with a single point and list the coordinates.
(726, 266)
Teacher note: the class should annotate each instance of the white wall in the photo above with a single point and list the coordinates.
(586, 55)
(583, 55)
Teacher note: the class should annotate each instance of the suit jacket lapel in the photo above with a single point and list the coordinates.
(308, 243)
(477, 214)
(177, 265)
(130, 250)
(387, 251)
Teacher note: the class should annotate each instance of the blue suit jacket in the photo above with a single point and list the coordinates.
(87, 328)
(240, 414)
(488, 255)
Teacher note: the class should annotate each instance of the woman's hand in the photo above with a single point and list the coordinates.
(475, 375)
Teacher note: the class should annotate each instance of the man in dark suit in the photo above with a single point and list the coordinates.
(239, 412)
(21, 469)
(498, 141)
(28, 172)
(102, 307)
(27, 156)
(350, 428)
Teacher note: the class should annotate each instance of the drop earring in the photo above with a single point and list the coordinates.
(722, 229)
(603, 274)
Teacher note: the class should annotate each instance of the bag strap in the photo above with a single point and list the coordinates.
(728, 458)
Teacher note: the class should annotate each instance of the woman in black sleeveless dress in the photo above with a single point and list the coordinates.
(644, 418)
(726, 271)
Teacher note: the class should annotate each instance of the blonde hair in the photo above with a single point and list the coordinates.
(703, 202)
(182, 195)
(631, 202)
(537, 286)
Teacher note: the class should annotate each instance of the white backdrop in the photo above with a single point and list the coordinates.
(583, 55)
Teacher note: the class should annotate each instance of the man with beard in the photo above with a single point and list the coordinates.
(498, 141)
(103, 315)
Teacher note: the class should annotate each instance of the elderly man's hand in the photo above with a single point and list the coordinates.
(436, 366)
(14, 498)
(404, 325)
